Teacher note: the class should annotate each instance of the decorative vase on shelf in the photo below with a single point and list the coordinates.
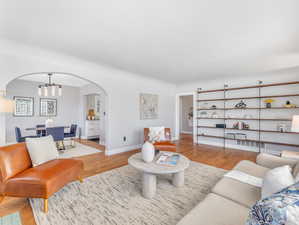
(148, 152)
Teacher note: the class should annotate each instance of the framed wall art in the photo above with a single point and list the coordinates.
(148, 106)
(24, 106)
(48, 107)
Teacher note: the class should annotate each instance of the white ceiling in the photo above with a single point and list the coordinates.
(172, 40)
(57, 78)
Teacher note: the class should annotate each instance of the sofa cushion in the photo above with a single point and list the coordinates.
(239, 192)
(216, 210)
(273, 161)
(251, 168)
(44, 180)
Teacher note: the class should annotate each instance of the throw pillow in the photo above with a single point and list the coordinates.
(281, 208)
(41, 149)
(157, 134)
(277, 179)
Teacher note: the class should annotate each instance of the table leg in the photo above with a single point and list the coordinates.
(149, 185)
(178, 179)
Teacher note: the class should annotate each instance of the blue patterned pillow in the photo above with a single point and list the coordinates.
(281, 208)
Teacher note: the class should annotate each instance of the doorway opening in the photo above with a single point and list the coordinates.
(66, 100)
(185, 129)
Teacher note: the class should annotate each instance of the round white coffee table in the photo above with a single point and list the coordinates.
(152, 169)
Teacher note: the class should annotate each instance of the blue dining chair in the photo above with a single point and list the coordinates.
(58, 135)
(41, 133)
(56, 132)
(19, 137)
(73, 131)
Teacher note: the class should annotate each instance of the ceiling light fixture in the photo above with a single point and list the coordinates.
(45, 89)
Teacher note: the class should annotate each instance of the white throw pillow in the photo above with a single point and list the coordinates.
(157, 133)
(277, 179)
(41, 149)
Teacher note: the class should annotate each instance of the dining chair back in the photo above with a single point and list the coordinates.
(41, 133)
(18, 135)
(73, 130)
(56, 132)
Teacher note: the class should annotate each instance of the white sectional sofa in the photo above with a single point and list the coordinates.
(230, 200)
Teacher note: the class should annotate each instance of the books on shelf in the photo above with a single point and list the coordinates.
(169, 159)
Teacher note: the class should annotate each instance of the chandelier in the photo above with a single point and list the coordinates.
(44, 89)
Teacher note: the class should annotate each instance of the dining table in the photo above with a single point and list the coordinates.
(42, 128)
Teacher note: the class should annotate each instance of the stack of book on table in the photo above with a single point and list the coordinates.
(168, 159)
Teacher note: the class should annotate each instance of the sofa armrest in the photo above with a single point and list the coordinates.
(272, 161)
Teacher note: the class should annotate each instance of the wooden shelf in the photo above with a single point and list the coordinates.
(253, 130)
(254, 97)
(251, 140)
(222, 118)
(248, 108)
(249, 87)
(257, 105)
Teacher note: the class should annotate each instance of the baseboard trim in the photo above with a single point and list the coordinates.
(122, 149)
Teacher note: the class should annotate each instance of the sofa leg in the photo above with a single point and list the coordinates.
(80, 179)
(45, 205)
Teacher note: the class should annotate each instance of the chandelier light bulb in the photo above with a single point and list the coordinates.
(60, 91)
(45, 91)
(53, 90)
(39, 91)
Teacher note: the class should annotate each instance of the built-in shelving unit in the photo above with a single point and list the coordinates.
(225, 99)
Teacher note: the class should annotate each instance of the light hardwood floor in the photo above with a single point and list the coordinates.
(99, 162)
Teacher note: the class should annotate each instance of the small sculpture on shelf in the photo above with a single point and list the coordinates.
(241, 126)
(236, 125)
(241, 105)
(282, 127)
(91, 114)
(289, 105)
(245, 126)
(269, 102)
(213, 107)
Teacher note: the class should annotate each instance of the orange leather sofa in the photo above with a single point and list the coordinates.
(19, 179)
(166, 145)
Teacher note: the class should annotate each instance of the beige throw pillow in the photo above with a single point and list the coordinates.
(41, 149)
(277, 179)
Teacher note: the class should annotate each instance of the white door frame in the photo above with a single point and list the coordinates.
(177, 114)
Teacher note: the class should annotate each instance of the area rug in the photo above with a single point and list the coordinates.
(79, 150)
(114, 197)
(11, 219)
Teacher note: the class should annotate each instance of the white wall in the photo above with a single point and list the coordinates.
(67, 108)
(186, 105)
(281, 76)
(122, 89)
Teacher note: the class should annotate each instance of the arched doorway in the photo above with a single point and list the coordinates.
(81, 102)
